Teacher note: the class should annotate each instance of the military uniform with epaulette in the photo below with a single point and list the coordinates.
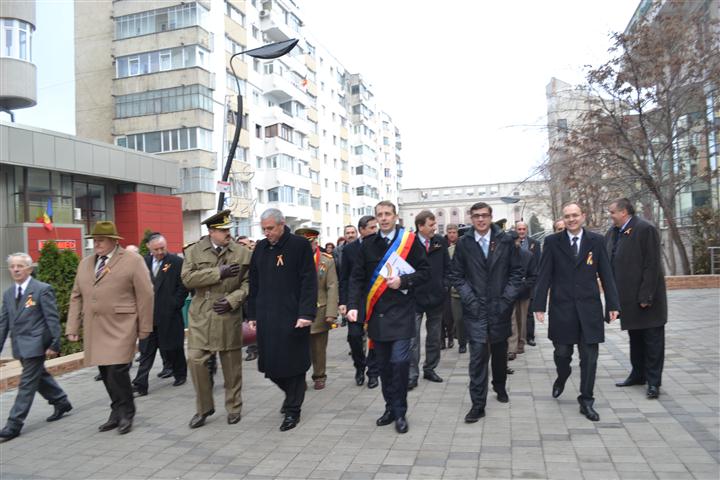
(219, 277)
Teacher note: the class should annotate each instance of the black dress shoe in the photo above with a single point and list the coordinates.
(124, 426)
(290, 421)
(629, 382)
(60, 410)
(589, 412)
(558, 388)
(252, 355)
(531, 342)
(109, 425)
(359, 377)
(432, 376)
(451, 344)
(475, 414)
(179, 381)
(401, 425)
(138, 392)
(372, 382)
(462, 349)
(386, 419)
(502, 395)
(198, 420)
(511, 356)
(653, 392)
(165, 373)
(98, 377)
(509, 371)
(7, 434)
(233, 418)
(412, 384)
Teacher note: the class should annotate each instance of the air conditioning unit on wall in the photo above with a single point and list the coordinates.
(264, 13)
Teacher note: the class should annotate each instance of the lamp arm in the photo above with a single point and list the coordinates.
(236, 137)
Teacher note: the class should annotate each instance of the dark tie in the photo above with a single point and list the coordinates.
(576, 252)
(19, 296)
(616, 238)
(218, 249)
(387, 240)
(101, 267)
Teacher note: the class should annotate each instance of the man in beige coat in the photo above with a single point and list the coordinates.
(216, 268)
(327, 307)
(112, 300)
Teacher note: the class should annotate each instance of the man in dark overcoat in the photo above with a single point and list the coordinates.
(282, 305)
(391, 323)
(487, 273)
(570, 264)
(168, 325)
(634, 248)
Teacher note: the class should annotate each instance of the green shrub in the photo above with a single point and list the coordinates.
(143, 242)
(58, 268)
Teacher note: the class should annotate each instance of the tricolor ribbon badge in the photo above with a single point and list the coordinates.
(280, 261)
(589, 260)
(29, 302)
(492, 246)
(166, 267)
(627, 232)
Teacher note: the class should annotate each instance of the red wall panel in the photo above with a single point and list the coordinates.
(136, 212)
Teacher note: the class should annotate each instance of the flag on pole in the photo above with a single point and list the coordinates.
(47, 216)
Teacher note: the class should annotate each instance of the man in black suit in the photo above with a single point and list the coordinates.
(570, 264)
(524, 329)
(487, 272)
(391, 322)
(429, 300)
(168, 326)
(367, 226)
(634, 248)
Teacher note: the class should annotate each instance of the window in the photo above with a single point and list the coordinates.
(234, 14)
(232, 83)
(163, 101)
(16, 39)
(314, 176)
(168, 140)
(161, 60)
(196, 179)
(284, 194)
(90, 198)
(315, 203)
(255, 32)
(231, 46)
(160, 20)
(241, 189)
(303, 197)
(345, 187)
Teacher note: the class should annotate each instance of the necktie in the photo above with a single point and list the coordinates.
(427, 246)
(100, 267)
(575, 249)
(156, 267)
(19, 296)
(218, 249)
(387, 240)
(484, 246)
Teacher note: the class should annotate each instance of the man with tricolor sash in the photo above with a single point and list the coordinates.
(389, 306)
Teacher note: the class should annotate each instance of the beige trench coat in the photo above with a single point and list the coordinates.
(113, 309)
(327, 304)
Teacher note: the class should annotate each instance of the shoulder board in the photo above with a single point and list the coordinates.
(188, 245)
(327, 255)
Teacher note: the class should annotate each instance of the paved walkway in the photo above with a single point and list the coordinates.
(534, 436)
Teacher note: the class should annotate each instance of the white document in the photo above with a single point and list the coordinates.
(396, 266)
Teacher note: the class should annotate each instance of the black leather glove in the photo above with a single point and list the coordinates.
(231, 270)
(221, 306)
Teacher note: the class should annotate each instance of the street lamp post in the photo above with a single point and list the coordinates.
(511, 200)
(266, 52)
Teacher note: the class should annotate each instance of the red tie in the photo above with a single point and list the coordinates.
(427, 246)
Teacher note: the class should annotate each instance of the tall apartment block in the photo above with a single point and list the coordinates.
(156, 77)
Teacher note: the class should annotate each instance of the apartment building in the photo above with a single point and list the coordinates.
(156, 77)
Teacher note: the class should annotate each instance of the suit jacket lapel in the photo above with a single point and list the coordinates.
(585, 247)
(623, 234)
(492, 250)
(110, 263)
(161, 273)
(21, 306)
(565, 246)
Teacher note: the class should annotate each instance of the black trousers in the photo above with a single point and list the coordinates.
(480, 355)
(356, 339)
(294, 388)
(530, 324)
(117, 383)
(394, 361)
(148, 349)
(647, 354)
(448, 322)
(33, 379)
(588, 366)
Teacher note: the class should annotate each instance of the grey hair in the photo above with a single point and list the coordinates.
(27, 258)
(156, 236)
(273, 213)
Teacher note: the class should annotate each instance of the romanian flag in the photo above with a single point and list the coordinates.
(47, 216)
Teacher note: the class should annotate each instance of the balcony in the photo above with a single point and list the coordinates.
(276, 177)
(275, 145)
(273, 25)
(283, 88)
(293, 212)
(274, 115)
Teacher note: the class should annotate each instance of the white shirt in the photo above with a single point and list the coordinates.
(23, 286)
(578, 235)
(425, 241)
(479, 237)
(622, 229)
(390, 236)
(156, 265)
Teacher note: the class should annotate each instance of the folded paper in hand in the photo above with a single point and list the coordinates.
(396, 266)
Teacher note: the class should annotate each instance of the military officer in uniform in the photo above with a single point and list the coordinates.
(217, 269)
(327, 306)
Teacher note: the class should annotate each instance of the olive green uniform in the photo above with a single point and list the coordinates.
(327, 306)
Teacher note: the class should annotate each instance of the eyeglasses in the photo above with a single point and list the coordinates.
(475, 216)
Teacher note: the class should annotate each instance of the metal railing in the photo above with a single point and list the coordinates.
(714, 260)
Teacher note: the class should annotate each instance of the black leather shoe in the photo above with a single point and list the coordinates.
(359, 377)
(60, 410)
(98, 377)
(372, 382)
(124, 426)
(252, 355)
(451, 344)
(138, 392)
(589, 412)
(289, 422)
(629, 382)
(432, 376)
(179, 381)
(412, 384)
(653, 392)
(475, 414)
(401, 425)
(502, 395)
(198, 420)
(7, 434)
(558, 388)
(462, 349)
(233, 418)
(509, 371)
(165, 373)
(511, 356)
(109, 425)
(531, 342)
(386, 419)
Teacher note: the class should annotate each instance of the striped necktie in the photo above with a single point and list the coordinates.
(100, 267)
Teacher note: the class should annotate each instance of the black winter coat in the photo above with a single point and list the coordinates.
(530, 265)
(170, 295)
(489, 287)
(576, 311)
(637, 266)
(393, 317)
(283, 288)
(432, 293)
(349, 255)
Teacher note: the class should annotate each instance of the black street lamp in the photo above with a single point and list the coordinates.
(511, 200)
(266, 52)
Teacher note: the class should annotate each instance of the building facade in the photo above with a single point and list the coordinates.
(18, 73)
(156, 77)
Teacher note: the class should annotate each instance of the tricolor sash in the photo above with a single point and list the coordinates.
(401, 245)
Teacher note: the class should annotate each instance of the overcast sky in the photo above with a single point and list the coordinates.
(463, 80)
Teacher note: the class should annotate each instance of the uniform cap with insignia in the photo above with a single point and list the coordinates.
(309, 233)
(219, 221)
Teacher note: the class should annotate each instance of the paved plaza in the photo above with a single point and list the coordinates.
(534, 436)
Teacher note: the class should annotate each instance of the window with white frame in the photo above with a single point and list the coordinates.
(168, 140)
(234, 14)
(161, 60)
(161, 20)
(196, 179)
(16, 39)
(165, 100)
(284, 194)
